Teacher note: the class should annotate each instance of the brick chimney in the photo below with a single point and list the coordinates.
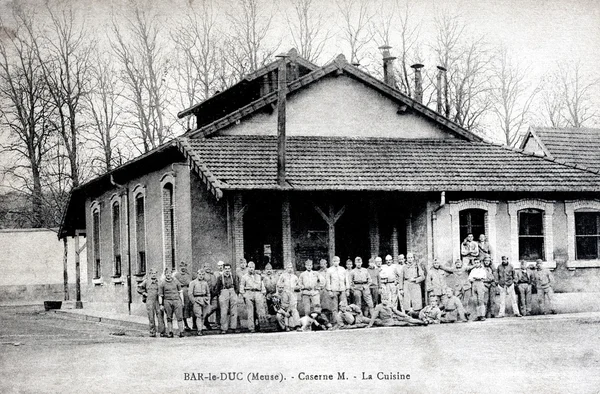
(418, 82)
(388, 66)
(440, 75)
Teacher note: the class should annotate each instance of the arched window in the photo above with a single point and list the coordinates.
(168, 225)
(116, 237)
(531, 234)
(96, 240)
(471, 221)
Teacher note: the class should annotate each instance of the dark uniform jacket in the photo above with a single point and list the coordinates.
(506, 275)
(224, 282)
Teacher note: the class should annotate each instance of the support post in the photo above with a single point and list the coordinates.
(78, 250)
(286, 232)
(65, 267)
(374, 229)
(281, 139)
(395, 243)
(239, 209)
(331, 218)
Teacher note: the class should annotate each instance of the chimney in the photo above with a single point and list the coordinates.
(418, 82)
(281, 98)
(441, 72)
(388, 66)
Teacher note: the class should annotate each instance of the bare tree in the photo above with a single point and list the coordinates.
(246, 46)
(24, 109)
(103, 112)
(197, 47)
(511, 95)
(576, 92)
(139, 49)
(356, 31)
(308, 29)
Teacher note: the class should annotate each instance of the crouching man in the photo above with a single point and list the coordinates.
(351, 316)
(385, 315)
(452, 308)
(282, 301)
(431, 314)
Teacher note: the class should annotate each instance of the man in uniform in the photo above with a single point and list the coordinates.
(469, 249)
(410, 282)
(270, 281)
(323, 294)
(436, 281)
(199, 293)
(506, 283)
(375, 280)
(290, 282)
(211, 279)
(401, 259)
(348, 272)
(360, 283)
(452, 308)
(253, 290)
(309, 283)
(282, 300)
(242, 269)
(544, 281)
(484, 247)
(490, 287)
(350, 316)
(388, 277)
(170, 298)
(431, 314)
(148, 288)
(459, 281)
(185, 277)
(477, 275)
(219, 271)
(227, 289)
(386, 315)
(524, 288)
(337, 284)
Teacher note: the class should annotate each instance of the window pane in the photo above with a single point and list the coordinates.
(471, 221)
(531, 248)
(586, 223)
(531, 222)
(586, 248)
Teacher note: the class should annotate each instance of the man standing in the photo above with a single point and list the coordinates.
(459, 279)
(185, 277)
(477, 276)
(242, 269)
(199, 294)
(228, 290)
(219, 271)
(324, 296)
(253, 290)
(484, 247)
(412, 276)
(289, 280)
(436, 281)
(544, 281)
(375, 280)
(469, 249)
(360, 282)
(309, 283)
(389, 278)
(348, 272)
(148, 288)
(337, 284)
(524, 288)
(490, 287)
(211, 279)
(506, 283)
(170, 298)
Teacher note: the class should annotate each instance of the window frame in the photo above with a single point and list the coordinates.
(571, 207)
(166, 179)
(547, 207)
(117, 253)
(140, 191)
(523, 237)
(95, 209)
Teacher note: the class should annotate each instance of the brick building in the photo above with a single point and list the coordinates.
(343, 164)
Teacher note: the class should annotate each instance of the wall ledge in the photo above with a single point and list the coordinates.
(98, 281)
(583, 264)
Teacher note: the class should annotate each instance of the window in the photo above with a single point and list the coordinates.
(587, 235)
(96, 242)
(140, 232)
(168, 225)
(472, 221)
(531, 234)
(116, 232)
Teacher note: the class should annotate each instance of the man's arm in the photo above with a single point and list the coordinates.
(161, 295)
(191, 287)
(141, 288)
(420, 277)
(328, 280)
(243, 285)
(180, 290)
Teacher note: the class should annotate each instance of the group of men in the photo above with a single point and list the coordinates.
(335, 297)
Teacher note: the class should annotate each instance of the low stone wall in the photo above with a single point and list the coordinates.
(10, 294)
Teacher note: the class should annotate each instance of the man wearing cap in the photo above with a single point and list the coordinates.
(458, 279)
(337, 284)
(349, 267)
(199, 293)
(544, 280)
(290, 282)
(431, 314)
(523, 282)
(490, 284)
(211, 279)
(477, 275)
(270, 281)
(282, 300)
(309, 283)
(484, 247)
(388, 278)
(360, 283)
(506, 283)
(401, 259)
(219, 270)
(323, 294)
(228, 289)
(185, 277)
(170, 298)
(375, 280)
(148, 288)
(452, 308)
(469, 249)
(253, 290)
(436, 281)
(410, 282)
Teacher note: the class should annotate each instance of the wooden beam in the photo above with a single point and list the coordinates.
(395, 243)
(286, 232)
(331, 219)
(281, 104)
(374, 229)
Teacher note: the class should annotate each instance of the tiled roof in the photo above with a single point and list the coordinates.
(579, 146)
(344, 163)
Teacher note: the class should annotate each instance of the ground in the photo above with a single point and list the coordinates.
(42, 352)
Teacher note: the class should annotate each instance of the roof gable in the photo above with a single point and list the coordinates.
(338, 67)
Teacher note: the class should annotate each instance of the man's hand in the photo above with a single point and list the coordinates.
(347, 293)
(330, 293)
(162, 307)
